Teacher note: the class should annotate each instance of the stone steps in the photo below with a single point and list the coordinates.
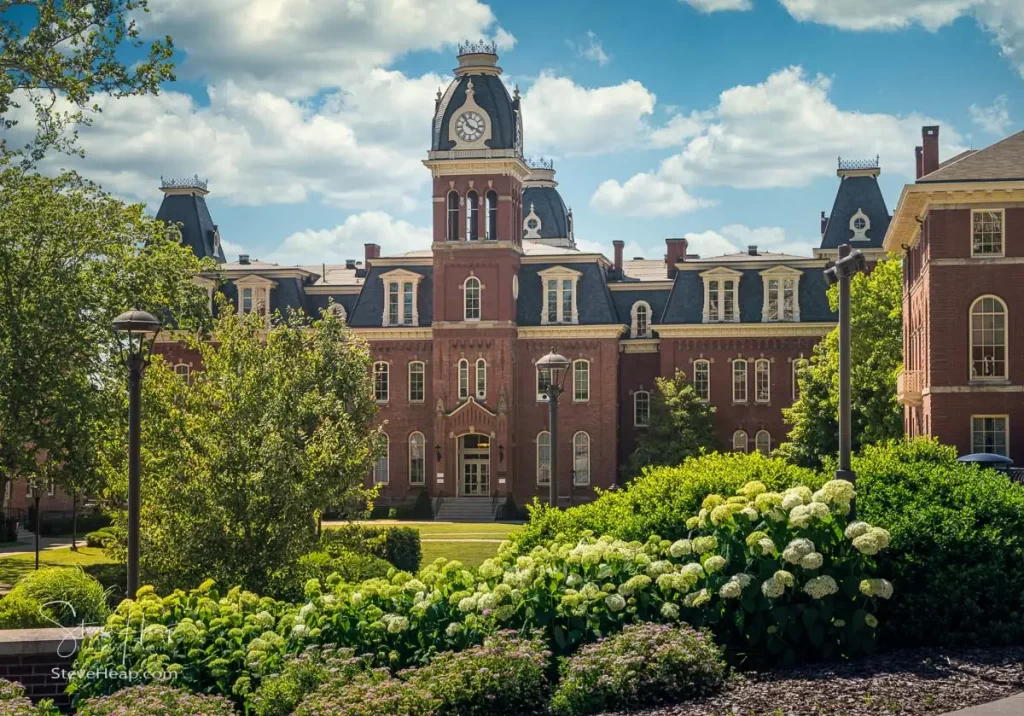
(465, 509)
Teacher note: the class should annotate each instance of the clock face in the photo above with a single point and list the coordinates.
(469, 126)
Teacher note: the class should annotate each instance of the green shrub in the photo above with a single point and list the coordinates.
(290, 584)
(423, 507)
(398, 545)
(280, 694)
(72, 595)
(504, 677)
(18, 611)
(645, 665)
(156, 701)
(402, 548)
(113, 577)
(13, 702)
(372, 694)
(660, 501)
(957, 553)
(98, 538)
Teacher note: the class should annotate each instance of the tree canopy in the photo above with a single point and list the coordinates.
(681, 425)
(876, 302)
(278, 424)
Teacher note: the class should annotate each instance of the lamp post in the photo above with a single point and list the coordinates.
(557, 367)
(846, 266)
(138, 330)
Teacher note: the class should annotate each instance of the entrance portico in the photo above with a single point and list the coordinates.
(474, 454)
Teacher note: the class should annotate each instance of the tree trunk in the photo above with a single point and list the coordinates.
(74, 521)
(35, 499)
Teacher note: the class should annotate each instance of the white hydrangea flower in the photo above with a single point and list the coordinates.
(876, 588)
(797, 550)
(772, 588)
(814, 560)
(819, 510)
(871, 620)
(784, 578)
(453, 629)
(800, 516)
(766, 545)
(615, 602)
(396, 623)
(872, 542)
(789, 501)
(573, 580)
(467, 604)
(658, 568)
(730, 590)
(715, 563)
(753, 488)
(856, 529)
(669, 610)
(750, 513)
(697, 599)
(703, 545)
(680, 548)
(821, 587)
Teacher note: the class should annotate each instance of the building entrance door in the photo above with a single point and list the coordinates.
(475, 460)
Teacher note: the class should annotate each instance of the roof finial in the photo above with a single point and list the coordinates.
(515, 92)
(469, 88)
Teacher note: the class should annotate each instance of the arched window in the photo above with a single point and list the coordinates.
(641, 320)
(739, 381)
(453, 216)
(382, 467)
(463, 379)
(337, 310)
(581, 459)
(481, 379)
(472, 216)
(702, 379)
(492, 215)
(641, 408)
(182, 370)
(988, 339)
(762, 381)
(799, 366)
(380, 381)
(471, 297)
(739, 441)
(417, 459)
(580, 381)
(763, 442)
(543, 458)
(417, 381)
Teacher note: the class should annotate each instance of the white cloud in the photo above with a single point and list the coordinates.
(562, 117)
(719, 5)
(994, 119)
(346, 240)
(676, 130)
(1003, 18)
(737, 237)
(644, 195)
(297, 47)
(783, 132)
(591, 50)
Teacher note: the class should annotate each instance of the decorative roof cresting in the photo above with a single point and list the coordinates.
(858, 164)
(480, 47)
(193, 182)
(540, 163)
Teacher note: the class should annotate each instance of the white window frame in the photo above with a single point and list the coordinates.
(646, 395)
(799, 364)
(183, 371)
(481, 379)
(423, 387)
(635, 329)
(259, 288)
(462, 376)
(402, 278)
(1006, 340)
(542, 397)
(782, 275)
(575, 381)
(746, 380)
(765, 365)
(543, 466)
(490, 209)
(1002, 234)
(577, 443)
(209, 286)
(757, 442)
(1006, 432)
(472, 215)
(465, 298)
(559, 274)
(386, 372)
(719, 276)
(384, 459)
(740, 435)
(697, 364)
(422, 457)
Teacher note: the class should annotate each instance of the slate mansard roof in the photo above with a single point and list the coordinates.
(856, 194)
(490, 94)
(547, 204)
(198, 232)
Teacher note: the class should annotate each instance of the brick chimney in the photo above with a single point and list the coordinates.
(752, 250)
(824, 223)
(675, 252)
(619, 245)
(372, 252)
(930, 146)
(919, 161)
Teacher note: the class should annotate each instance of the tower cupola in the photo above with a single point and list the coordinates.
(546, 219)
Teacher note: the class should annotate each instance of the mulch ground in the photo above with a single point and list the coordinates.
(911, 682)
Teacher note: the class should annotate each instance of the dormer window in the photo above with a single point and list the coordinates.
(559, 295)
(641, 320)
(401, 306)
(781, 298)
(254, 294)
(721, 303)
(859, 225)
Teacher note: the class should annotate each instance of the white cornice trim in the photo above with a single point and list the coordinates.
(401, 275)
(639, 345)
(973, 389)
(475, 245)
(721, 272)
(471, 400)
(560, 331)
(745, 330)
(730, 263)
(254, 281)
(473, 325)
(393, 334)
(566, 259)
(331, 290)
(400, 261)
(665, 285)
(559, 272)
(980, 261)
(782, 270)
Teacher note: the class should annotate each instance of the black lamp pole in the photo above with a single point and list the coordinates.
(140, 329)
(557, 367)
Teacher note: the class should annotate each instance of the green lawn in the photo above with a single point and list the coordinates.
(469, 542)
(15, 565)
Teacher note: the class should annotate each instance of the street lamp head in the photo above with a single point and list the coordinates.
(139, 328)
(556, 366)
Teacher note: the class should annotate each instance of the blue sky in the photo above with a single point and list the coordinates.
(719, 120)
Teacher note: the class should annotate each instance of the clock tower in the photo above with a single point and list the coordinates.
(476, 160)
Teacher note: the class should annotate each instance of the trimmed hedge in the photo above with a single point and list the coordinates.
(398, 545)
(661, 499)
(74, 597)
(18, 611)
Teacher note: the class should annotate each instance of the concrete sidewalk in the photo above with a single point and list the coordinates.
(29, 547)
(1013, 706)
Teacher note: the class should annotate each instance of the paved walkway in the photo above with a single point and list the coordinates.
(1013, 706)
(29, 547)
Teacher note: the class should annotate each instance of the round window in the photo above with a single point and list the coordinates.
(532, 224)
(859, 224)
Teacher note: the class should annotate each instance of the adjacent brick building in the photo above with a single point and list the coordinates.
(455, 329)
(960, 227)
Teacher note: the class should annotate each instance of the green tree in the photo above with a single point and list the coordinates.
(876, 322)
(71, 259)
(236, 463)
(57, 56)
(681, 425)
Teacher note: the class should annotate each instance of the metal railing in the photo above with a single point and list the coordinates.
(858, 164)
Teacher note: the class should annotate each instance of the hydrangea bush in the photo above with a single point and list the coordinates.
(776, 576)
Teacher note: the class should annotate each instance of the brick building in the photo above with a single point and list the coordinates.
(961, 229)
(455, 329)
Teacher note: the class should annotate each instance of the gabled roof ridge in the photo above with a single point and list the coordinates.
(978, 157)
